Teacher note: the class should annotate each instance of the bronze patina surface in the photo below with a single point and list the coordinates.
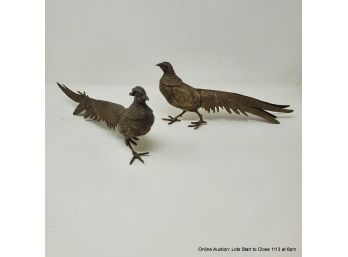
(190, 99)
(132, 122)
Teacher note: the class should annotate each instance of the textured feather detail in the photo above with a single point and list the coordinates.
(212, 100)
(95, 109)
(105, 111)
(266, 115)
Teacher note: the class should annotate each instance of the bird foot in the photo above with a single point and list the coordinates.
(137, 156)
(197, 124)
(171, 119)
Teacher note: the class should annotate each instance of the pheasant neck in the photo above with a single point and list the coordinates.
(141, 104)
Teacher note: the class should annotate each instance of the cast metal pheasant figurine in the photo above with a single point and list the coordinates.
(190, 99)
(132, 122)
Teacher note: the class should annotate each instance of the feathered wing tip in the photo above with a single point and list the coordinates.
(71, 94)
(97, 110)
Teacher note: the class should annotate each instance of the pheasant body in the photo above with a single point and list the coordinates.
(136, 121)
(190, 99)
(132, 122)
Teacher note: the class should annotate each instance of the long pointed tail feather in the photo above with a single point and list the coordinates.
(71, 94)
(273, 107)
(263, 114)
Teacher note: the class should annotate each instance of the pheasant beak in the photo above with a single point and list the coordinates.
(158, 64)
(146, 98)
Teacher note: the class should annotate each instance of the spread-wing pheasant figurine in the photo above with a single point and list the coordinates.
(190, 99)
(132, 122)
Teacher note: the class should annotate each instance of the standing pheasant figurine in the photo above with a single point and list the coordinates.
(132, 122)
(190, 99)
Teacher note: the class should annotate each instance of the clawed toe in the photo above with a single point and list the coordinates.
(197, 124)
(171, 119)
(137, 156)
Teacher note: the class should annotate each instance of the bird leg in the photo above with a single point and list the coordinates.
(132, 141)
(135, 154)
(172, 120)
(197, 124)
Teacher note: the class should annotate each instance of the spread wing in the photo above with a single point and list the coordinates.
(212, 99)
(100, 110)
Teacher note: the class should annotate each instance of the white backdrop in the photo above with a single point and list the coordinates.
(224, 41)
(235, 182)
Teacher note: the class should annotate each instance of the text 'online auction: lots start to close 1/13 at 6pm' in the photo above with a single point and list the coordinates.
(247, 249)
